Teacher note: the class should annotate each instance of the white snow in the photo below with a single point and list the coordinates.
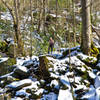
(22, 60)
(22, 92)
(6, 16)
(17, 98)
(39, 91)
(64, 79)
(92, 75)
(97, 82)
(65, 95)
(50, 96)
(19, 83)
(91, 94)
(3, 59)
(22, 68)
(83, 57)
(55, 84)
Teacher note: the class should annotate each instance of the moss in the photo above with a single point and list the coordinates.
(10, 51)
(11, 61)
(90, 60)
(3, 46)
(94, 50)
(43, 69)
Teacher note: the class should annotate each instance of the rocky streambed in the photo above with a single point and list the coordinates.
(53, 77)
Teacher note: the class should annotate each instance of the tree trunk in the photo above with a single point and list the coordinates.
(86, 27)
(17, 26)
(31, 28)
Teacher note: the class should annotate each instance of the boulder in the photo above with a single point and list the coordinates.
(21, 71)
(88, 60)
(28, 64)
(17, 85)
(43, 67)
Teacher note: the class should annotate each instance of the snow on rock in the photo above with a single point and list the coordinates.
(16, 98)
(65, 95)
(26, 60)
(22, 93)
(65, 81)
(92, 75)
(3, 59)
(4, 77)
(97, 82)
(19, 84)
(73, 60)
(31, 63)
(88, 59)
(28, 63)
(98, 93)
(50, 96)
(55, 84)
(6, 16)
(89, 95)
(98, 65)
(21, 71)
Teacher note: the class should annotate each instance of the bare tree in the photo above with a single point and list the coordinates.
(86, 27)
(16, 22)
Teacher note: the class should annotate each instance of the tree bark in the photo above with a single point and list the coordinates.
(17, 26)
(86, 27)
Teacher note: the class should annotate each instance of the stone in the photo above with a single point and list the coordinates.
(43, 67)
(21, 71)
(17, 85)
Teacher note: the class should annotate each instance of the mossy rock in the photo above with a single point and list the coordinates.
(3, 46)
(11, 50)
(94, 50)
(5, 66)
(80, 71)
(44, 68)
(88, 60)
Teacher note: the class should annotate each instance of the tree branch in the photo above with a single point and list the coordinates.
(10, 10)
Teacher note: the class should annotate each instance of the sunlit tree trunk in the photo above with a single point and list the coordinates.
(74, 26)
(40, 16)
(17, 26)
(31, 29)
(44, 4)
(86, 27)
